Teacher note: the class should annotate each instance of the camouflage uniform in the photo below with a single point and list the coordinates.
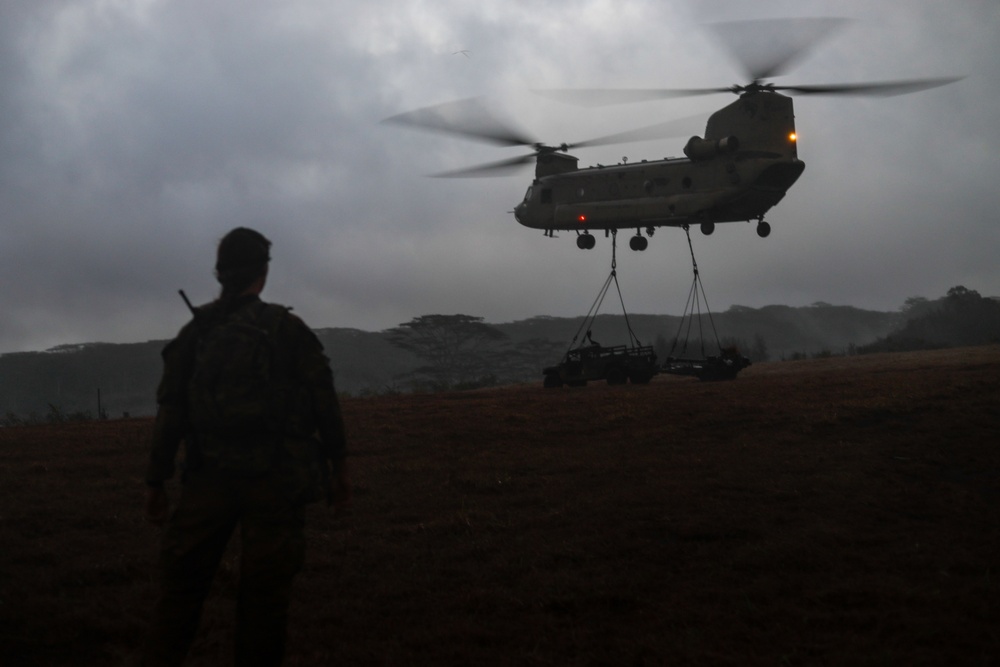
(269, 507)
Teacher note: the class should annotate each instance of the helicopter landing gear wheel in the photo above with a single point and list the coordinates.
(638, 243)
(763, 229)
(707, 228)
(585, 241)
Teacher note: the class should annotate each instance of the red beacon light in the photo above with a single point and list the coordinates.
(581, 218)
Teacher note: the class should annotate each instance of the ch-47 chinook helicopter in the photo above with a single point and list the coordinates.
(737, 172)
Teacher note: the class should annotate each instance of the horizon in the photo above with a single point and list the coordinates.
(59, 348)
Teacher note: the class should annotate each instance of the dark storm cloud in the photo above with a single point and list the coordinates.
(133, 134)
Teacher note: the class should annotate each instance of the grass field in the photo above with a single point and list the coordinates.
(841, 511)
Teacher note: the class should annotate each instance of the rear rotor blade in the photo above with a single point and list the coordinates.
(874, 89)
(601, 97)
(770, 47)
(764, 49)
(469, 118)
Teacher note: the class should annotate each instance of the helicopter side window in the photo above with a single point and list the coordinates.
(546, 195)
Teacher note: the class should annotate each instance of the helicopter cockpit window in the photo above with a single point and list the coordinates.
(527, 195)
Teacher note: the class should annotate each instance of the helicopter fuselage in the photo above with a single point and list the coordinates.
(740, 170)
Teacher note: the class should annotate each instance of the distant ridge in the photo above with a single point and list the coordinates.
(69, 377)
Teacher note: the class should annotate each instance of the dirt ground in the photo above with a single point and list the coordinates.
(840, 511)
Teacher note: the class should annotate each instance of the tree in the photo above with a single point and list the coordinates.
(524, 361)
(662, 347)
(963, 317)
(962, 293)
(759, 351)
(915, 304)
(459, 350)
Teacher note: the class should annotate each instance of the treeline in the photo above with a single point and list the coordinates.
(439, 352)
(55, 415)
(76, 382)
(461, 351)
(961, 318)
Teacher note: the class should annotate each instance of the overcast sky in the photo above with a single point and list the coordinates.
(135, 133)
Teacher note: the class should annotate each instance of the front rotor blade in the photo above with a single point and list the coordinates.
(469, 118)
(875, 89)
(601, 97)
(501, 168)
(672, 128)
(770, 47)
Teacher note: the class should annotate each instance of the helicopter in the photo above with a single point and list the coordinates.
(738, 171)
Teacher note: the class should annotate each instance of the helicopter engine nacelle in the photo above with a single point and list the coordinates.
(706, 149)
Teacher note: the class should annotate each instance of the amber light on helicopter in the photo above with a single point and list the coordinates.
(793, 137)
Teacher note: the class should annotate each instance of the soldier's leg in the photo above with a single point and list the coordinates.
(273, 539)
(193, 544)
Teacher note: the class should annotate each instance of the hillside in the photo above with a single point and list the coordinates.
(69, 377)
(786, 330)
(837, 511)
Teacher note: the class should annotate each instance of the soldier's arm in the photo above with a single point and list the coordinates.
(313, 369)
(170, 426)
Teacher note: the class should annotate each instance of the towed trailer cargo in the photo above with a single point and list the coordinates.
(723, 367)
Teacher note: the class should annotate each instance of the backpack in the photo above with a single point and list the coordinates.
(235, 392)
